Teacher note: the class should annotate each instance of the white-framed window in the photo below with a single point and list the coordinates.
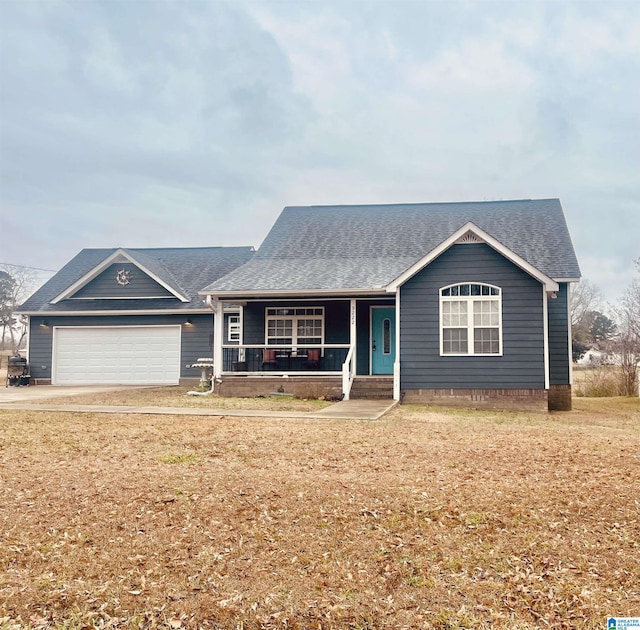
(470, 319)
(294, 326)
(233, 327)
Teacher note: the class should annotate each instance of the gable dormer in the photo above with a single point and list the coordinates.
(471, 234)
(122, 281)
(124, 275)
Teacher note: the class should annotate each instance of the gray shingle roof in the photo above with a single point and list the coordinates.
(365, 247)
(186, 270)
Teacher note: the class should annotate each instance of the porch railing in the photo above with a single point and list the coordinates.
(348, 374)
(284, 359)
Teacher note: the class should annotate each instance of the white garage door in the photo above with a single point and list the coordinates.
(117, 355)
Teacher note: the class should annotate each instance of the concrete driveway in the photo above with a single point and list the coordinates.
(49, 392)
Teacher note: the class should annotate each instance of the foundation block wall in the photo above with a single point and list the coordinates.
(499, 399)
(560, 398)
(302, 387)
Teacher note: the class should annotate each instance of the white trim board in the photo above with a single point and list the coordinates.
(545, 318)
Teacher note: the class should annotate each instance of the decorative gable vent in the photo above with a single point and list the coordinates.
(468, 238)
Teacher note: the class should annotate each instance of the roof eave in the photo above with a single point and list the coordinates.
(293, 293)
(157, 311)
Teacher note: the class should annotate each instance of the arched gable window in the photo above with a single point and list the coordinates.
(470, 319)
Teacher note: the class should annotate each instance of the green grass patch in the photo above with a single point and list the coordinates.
(180, 458)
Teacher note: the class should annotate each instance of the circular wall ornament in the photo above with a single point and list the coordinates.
(123, 277)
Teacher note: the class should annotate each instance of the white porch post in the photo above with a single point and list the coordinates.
(28, 325)
(353, 332)
(349, 365)
(218, 328)
(396, 364)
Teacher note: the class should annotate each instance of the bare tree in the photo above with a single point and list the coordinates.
(631, 302)
(6, 302)
(16, 284)
(586, 297)
(628, 342)
(585, 309)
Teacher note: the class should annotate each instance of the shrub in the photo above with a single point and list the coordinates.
(599, 382)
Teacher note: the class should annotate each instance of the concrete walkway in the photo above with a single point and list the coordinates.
(14, 398)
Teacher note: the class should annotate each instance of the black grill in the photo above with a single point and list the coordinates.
(17, 372)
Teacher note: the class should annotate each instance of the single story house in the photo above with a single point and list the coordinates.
(452, 303)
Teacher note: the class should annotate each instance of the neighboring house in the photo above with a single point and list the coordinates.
(126, 316)
(592, 357)
(453, 303)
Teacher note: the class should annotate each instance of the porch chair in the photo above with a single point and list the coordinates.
(313, 357)
(268, 359)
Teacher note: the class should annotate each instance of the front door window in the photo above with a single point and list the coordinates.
(386, 336)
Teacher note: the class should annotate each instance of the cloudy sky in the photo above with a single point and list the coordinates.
(161, 123)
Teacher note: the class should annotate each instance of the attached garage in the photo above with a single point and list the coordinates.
(116, 355)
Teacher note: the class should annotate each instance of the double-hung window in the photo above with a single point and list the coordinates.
(470, 319)
(233, 331)
(294, 326)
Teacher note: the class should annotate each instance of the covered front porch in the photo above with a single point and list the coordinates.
(305, 343)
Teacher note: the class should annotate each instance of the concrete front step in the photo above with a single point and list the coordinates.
(372, 387)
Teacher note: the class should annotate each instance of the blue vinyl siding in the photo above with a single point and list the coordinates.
(105, 286)
(522, 363)
(559, 337)
(195, 342)
(253, 323)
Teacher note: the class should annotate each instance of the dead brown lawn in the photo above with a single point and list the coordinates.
(424, 519)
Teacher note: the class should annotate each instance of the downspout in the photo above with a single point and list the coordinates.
(213, 379)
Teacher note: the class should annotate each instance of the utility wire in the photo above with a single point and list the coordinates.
(27, 267)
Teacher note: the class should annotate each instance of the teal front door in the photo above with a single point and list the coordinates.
(383, 340)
